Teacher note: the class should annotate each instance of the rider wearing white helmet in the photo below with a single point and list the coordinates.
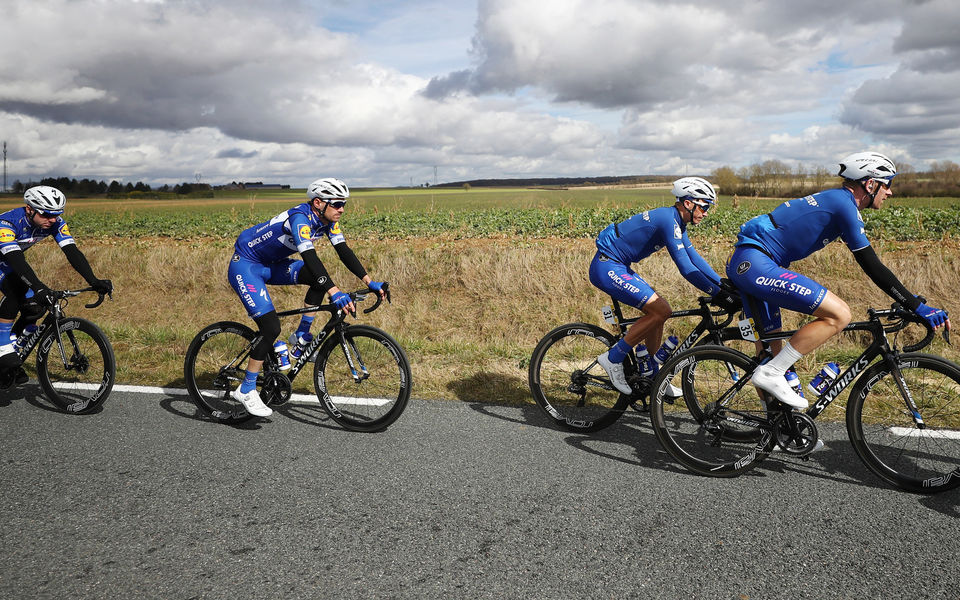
(262, 256)
(767, 244)
(630, 241)
(21, 228)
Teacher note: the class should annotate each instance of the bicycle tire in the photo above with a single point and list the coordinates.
(374, 398)
(885, 435)
(706, 436)
(214, 365)
(84, 383)
(568, 384)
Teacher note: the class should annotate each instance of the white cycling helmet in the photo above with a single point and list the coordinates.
(328, 188)
(696, 189)
(45, 199)
(873, 165)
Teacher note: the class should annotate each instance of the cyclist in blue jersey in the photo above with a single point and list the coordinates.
(767, 244)
(21, 228)
(262, 256)
(630, 241)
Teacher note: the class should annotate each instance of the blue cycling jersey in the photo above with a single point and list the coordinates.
(17, 232)
(291, 231)
(643, 234)
(798, 228)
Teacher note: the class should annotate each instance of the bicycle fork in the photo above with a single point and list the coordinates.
(905, 391)
(357, 369)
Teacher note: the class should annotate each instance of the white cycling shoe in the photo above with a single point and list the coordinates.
(673, 391)
(252, 403)
(615, 371)
(777, 385)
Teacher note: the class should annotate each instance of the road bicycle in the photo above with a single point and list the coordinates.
(361, 375)
(902, 413)
(573, 389)
(76, 367)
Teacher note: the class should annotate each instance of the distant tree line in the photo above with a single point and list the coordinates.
(89, 187)
(777, 179)
(559, 181)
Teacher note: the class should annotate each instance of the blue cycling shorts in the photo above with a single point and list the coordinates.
(249, 280)
(774, 287)
(618, 280)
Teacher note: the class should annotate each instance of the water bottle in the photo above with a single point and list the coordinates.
(824, 378)
(21, 341)
(794, 380)
(661, 356)
(646, 364)
(303, 340)
(283, 358)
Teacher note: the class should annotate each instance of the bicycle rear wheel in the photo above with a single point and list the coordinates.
(77, 372)
(569, 385)
(718, 430)
(362, 378)
(214, 366)
(886, 435)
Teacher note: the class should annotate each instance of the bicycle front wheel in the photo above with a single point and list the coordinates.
(214, 366)
(719, 429)
(891, 440)
(77, 370)
(362, 377)
(569, 385)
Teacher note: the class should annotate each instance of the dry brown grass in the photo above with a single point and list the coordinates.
(468, 312)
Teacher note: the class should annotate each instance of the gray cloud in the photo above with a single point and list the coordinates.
(163, 89)
(916, 105)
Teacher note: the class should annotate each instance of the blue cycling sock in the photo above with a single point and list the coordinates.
(249, 382)
(619, 351)
(305, 323)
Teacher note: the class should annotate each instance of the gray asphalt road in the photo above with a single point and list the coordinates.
(455, 500)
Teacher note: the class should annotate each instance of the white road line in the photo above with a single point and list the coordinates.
(296, 398)
(946, 434)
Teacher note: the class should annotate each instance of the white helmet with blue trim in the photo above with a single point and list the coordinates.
(45, 199)
(696, 189)
(328, 188)
(872, 165)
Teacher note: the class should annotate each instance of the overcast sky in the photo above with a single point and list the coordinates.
(383, 92)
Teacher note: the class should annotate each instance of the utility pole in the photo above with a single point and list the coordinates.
(4, 166)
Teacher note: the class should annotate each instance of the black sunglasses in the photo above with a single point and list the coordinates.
(46, 215)
(339, 204)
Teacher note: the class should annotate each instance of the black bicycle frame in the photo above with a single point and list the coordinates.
(717, 331)
(312, 347)
(879, 347)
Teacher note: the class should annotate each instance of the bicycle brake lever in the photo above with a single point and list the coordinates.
(946, 336)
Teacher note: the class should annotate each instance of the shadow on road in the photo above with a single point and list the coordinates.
(836, 462)
(183, 406)
(32, 393)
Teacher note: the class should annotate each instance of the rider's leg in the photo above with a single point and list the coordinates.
(833, 315)
(758, 276)
(9, 307)
(269, 326)
(649, 327)
(627, 287)
(313, 297)
(248, 280)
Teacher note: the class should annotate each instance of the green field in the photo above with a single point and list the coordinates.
(464, 214)
(478, 276)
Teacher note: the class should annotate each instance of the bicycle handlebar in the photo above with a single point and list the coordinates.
(64, 294)
(363, 294)
(906, 317)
